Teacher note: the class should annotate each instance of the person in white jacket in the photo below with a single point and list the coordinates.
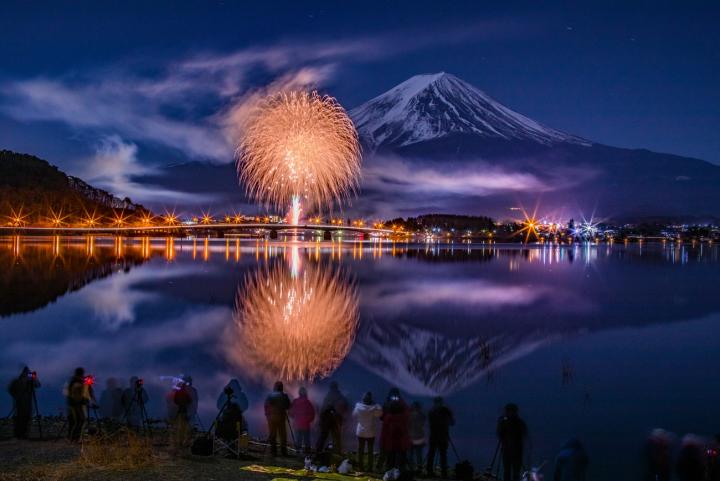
(367, 413)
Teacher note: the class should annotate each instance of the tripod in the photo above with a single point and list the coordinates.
(38, 416)
(235, 450)
(139, 400)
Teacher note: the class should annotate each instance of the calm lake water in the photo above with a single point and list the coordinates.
(599, 342)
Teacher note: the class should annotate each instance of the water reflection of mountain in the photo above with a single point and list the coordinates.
(37, 274)
(423, 362)
(433, 331)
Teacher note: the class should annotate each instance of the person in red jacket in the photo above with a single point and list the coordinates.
(395, 436)
(302, 413)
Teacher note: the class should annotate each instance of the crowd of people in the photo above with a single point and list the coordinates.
(410, 438)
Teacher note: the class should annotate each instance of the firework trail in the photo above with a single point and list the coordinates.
(293, 328)
(299, 144)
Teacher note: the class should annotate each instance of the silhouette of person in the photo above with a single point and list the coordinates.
(333, 411)
(440, 418)
(78, 397)
(511, 432)
(21, 389)
(302, 413)
(276, 407)
(395, 435)
(367, 414)
(111, 400)
(571, 462)
(658, 455)
(134, 398)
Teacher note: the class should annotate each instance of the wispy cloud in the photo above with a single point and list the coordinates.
(479, 180)
(192, 104)
(115, 165)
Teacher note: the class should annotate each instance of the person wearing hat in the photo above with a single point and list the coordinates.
(276, 407)
(367, 413)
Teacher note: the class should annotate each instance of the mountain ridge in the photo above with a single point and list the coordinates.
(432, 106)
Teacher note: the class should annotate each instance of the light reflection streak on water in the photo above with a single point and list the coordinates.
(265, 250)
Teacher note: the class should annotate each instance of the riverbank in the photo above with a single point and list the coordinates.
(60, 461)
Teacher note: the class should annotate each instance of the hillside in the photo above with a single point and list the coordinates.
(35, 191)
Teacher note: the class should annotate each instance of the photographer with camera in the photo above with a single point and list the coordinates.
(22, 390)
(231, 404)
(233, 394)
(134, 399)
(79, 395)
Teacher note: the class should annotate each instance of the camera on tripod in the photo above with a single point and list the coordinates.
(139, 384)
(228, 391)
(32, 375)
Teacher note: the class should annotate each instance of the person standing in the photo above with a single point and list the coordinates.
(302, 413)
(134, 399)
(511, 432)
(440, 419)
(691, 459)
(111, 401)
(21, 389)
(572, 462)
(78, 397)
(182, 399)
(395, 436)
(367, 413)
(276, 407)
(233, 394)
(417, 435)
(192, 408)
(333, 412)
(658, 455)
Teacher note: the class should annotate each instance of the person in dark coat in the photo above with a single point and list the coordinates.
(511, 432)
(395, 435)
(691, 459)
(333, 412)
(571, 463)
(658, 455)
(276, 407)
(440, 418)
(21, 389)
(111, 401)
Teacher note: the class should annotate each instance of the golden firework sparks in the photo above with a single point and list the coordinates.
(299, 144)
(294, 328)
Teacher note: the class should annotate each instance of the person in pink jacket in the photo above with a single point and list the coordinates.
(302, 413)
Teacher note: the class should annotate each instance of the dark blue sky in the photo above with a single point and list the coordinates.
(156, 78)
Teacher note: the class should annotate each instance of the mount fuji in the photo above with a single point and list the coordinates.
(436, 106)
(436, 144)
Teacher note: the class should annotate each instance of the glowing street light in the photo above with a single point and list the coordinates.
(16, 218)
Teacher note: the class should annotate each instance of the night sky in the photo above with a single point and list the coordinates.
(146, 84)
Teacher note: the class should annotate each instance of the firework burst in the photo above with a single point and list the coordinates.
(299, 144)
(294, 327)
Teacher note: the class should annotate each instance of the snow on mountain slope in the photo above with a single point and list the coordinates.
(432, 106)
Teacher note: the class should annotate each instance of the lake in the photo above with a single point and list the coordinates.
(602, 342)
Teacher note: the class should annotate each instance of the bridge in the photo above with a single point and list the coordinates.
(219, 228)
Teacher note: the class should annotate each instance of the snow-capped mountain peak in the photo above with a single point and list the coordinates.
(433, 106)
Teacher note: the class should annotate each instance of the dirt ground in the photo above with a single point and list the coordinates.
(60, 460)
